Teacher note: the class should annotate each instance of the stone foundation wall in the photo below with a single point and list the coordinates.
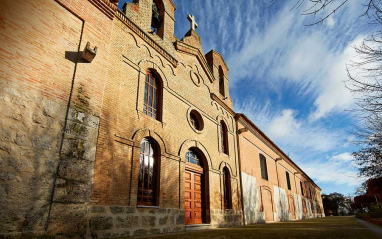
(119, 221)
(226, 218)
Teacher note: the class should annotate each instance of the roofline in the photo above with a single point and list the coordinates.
(238, 116)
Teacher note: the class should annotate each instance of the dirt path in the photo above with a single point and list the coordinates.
(374, 228)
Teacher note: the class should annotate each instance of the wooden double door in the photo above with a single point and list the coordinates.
(193, 198)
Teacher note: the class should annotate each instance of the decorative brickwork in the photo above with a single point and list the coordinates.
(72, 126)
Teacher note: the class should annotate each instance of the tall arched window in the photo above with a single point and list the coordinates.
(153, 95)
(221, 81)
(227, 189)
(223, 137)
(148, 174)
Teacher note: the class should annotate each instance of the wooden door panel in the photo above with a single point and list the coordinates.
(198, 178)
(187, 205)
(187, 185)
(198, 217)
(187, 195)
(198, 205)
(193, 198)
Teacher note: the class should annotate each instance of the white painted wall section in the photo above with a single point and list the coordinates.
(251, 200)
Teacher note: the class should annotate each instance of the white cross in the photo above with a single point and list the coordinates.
(191, 18)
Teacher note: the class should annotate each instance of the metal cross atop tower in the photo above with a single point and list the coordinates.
(191, 18)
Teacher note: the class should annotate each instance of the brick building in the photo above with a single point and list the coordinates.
(113, 128)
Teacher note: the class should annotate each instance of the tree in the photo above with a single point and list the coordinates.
(325, 8)
(333, 203)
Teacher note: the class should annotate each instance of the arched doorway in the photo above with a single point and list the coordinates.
(196, 186)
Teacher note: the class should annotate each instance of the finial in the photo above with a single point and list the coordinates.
(191, 18)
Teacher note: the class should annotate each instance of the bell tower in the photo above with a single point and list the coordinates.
(153, 16)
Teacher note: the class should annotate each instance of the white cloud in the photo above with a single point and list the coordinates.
(334, 96)
(283, 125)
(330, 21)
(343, 157)
(295, 136)
(338, 173)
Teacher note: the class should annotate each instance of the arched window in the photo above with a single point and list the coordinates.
(223, 137)
(192, 157)
(263, 167)
(221, 81)
(148, 174)
(227, 189)
(153, 95)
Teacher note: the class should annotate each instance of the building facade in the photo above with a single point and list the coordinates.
(113, 127)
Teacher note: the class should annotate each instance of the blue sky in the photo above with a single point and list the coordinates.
(289, 79)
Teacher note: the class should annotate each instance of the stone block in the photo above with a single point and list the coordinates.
(162, 211)
(180, 220)
(148, 221)
(126, 221)
(97, 209)
(130, 210)
(69, 191)
(100, 223)
(140, 232)
(163, 220)
(155, 231)
(116, 210)
(68, 219)
(43, 142)
(76, 169)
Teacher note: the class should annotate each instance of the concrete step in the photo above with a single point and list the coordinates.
(196, 227)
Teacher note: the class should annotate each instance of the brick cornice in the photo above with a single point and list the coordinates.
(181, 46)
(144, 36)
(241, 118)
(105, 6)
(225, 106)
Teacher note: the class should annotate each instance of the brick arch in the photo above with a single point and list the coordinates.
(149, 64)
(140, 134)
(221, 117)
(192, 143)
(225, 164)
(291, 206)
(267, 209)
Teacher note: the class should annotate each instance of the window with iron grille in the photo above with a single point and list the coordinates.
(147, 179)
(288, 180)
(151, 105)
(263, 167)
